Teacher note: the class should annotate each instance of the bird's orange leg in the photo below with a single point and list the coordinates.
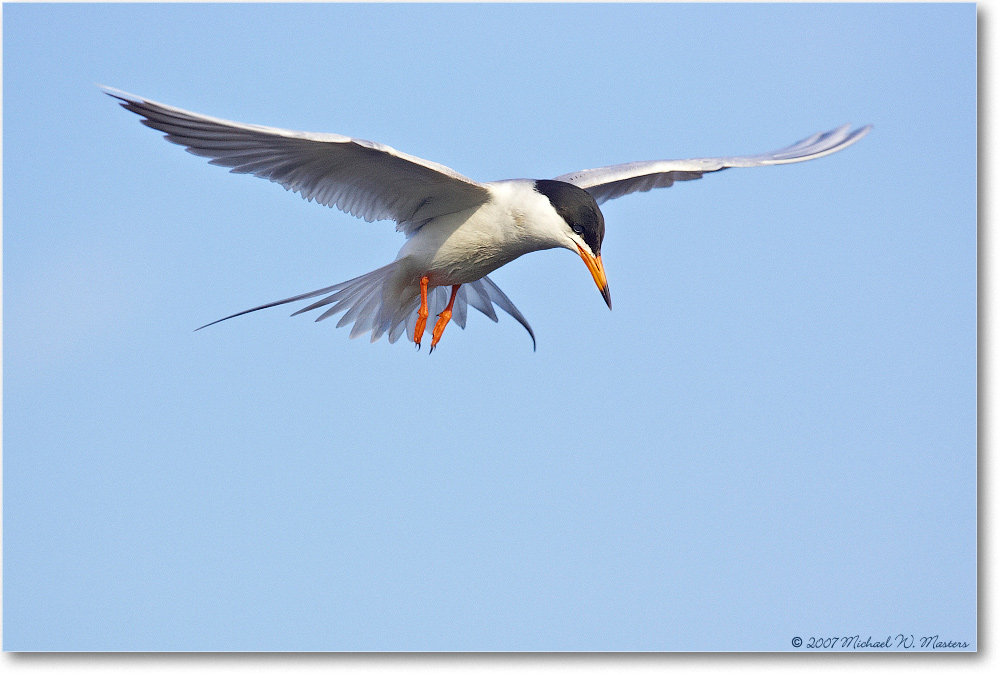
(418, 331)
(444, 317)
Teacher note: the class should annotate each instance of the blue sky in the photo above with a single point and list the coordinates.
(772, 435)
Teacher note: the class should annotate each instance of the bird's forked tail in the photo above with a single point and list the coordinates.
(374, 305)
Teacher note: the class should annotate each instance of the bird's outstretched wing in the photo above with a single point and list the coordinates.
(609, 182)
(363, 178)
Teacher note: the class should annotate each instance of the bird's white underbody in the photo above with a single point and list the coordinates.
(458, 230)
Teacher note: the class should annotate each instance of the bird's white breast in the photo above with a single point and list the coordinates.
(462, 247)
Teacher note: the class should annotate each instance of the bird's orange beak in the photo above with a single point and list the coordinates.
(596, 268)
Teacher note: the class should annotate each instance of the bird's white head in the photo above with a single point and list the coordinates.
(581, 229)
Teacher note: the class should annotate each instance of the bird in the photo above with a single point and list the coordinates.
(457, 230)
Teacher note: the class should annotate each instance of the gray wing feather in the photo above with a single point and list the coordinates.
(610, 182)
(366, 179)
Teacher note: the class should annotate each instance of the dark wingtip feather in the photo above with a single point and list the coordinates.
(123, 96)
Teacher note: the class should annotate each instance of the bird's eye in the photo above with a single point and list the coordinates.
(578, 229)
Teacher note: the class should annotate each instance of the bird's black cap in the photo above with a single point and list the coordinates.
(577, 208)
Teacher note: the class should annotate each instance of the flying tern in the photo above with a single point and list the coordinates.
(457, 230)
